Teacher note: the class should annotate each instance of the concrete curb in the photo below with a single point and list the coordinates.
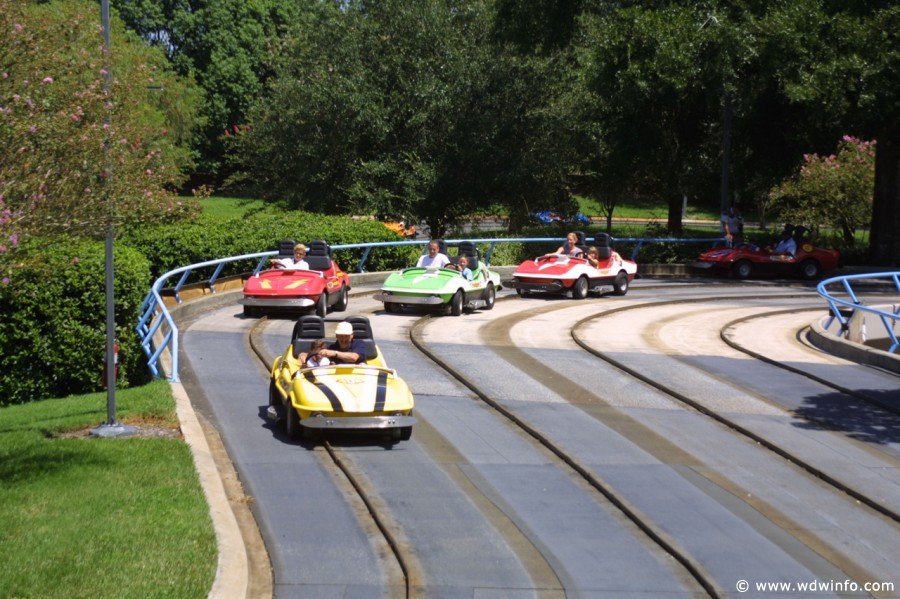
(233, 570)
(849, 350)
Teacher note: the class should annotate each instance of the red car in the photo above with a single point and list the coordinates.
(560, 274)
(324, 286)
(746, 259)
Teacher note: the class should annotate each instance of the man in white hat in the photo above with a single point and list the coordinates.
(346, 350)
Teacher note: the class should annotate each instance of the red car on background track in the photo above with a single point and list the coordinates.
(324, 286)
(746, 259)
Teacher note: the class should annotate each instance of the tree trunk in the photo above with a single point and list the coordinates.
(674, 224)
(884, 248)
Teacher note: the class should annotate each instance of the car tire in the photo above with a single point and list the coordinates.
(343, 301)
(389, 307)
(322, 305)
(456, 303)
(405, 433)
(580, 288)
(521, 292)
(742, 269)
(276, 403)
(620, 285)
(489, 296)
(810, 269)
(249, 311)
(292, 426)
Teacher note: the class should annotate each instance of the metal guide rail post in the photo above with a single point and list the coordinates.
(845, 308)
(159, 334)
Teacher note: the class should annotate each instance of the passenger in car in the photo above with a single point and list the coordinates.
(569, 248)
(462, 265)
(593, 256)
(786, 245)
(315, 356)
(298, 262)
(434, 257)
(346, 350)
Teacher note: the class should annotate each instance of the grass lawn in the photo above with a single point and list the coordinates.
(90, 517)
(222, 208)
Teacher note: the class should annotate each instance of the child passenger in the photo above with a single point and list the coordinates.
(314, 356)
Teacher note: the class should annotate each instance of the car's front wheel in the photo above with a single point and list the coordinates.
(292, 424)
(322, 305)
(456, 303)
(580, 288)
(742, 269)
(810, 269)
(620, 285)
(275, 402)
(490, 296)
(343, 301)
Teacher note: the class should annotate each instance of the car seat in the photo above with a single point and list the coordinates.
(286, 248)
(581, 244)
(319, 255)
(468, 248)
(308, 328)
(602, 243)
(800, 234)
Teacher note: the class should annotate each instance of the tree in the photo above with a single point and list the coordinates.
(228, 46)
(840, 63)
(834, 191)
(402, 108)
(652, 81)
(73, 154)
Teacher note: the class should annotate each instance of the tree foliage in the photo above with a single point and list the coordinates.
(401, 108)
(832, 191)
(228, 46)
(79, 150)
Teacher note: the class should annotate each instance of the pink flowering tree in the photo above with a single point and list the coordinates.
(832, 191)
(75, 152)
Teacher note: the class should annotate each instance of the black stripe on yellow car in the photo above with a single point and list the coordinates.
(326, 391)
(381, 392)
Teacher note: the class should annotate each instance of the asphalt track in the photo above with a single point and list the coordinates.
(487, 512)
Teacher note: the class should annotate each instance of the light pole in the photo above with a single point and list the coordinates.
(110, 428)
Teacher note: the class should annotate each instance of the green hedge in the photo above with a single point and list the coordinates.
(53, 331)
(173, 246)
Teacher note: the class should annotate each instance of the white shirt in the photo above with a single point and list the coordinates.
(290, 264)
(439, 260)
(786, 246)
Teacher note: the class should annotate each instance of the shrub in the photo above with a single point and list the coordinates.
(53, 331)
(173, 246)
(834, 191)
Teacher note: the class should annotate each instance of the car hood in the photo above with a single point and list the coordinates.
(351, 389)
(283, 282)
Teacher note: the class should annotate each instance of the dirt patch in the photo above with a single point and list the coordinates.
(140, 430)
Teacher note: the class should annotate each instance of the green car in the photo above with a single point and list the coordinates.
(444, 288)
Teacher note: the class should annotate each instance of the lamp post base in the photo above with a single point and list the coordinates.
(115, 429)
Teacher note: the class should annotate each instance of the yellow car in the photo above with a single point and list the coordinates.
(367, 396)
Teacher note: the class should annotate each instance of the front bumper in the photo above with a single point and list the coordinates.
(705, 265)
(276, 302)
(419, 300)
(525, 285)
(360, 423)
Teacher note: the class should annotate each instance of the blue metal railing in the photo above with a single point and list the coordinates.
(157, 329)
(844, 308)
